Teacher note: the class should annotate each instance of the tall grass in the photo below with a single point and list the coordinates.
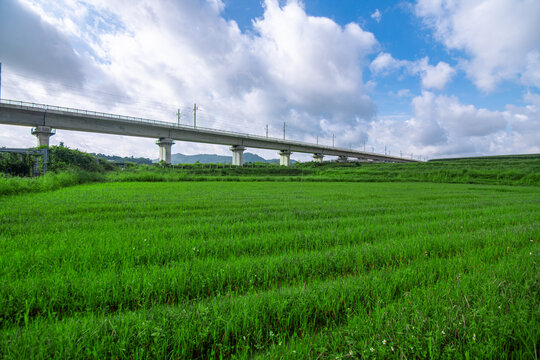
(47, 182)
(270, 270)
(73, 168)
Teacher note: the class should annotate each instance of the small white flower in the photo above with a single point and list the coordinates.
(384, 342)
(474, 337)
(133, 248)
(351, 353)
(442, 332)
(371, 349)
(391, 347)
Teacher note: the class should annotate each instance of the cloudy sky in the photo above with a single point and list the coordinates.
(435, 78)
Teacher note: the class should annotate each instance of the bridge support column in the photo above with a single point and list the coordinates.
(43, 133)
(237, 155)
(284, 158)
(342, 158)
(318, 158)
(165, 145)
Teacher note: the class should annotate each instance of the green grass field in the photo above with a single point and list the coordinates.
(71, 167)
(319, 270)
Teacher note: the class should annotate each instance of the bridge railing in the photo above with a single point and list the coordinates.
(44, 107)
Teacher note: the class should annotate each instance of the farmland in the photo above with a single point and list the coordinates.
(298, 269)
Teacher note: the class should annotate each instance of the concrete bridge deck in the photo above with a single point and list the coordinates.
(46, 118)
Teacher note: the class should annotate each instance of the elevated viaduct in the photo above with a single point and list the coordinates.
(45, 119)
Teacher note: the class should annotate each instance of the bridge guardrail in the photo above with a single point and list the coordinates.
(45, 107)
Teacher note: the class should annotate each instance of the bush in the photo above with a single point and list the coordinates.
(16, 164)
(62, 158)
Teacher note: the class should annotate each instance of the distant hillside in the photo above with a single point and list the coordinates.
(120, 159)
(218, 159)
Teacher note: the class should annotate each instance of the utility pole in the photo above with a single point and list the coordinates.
(195, 115)
(372, 149)
(317, 139)
(284, 130)
(178, 115)
(333, 139)
(364, 145)
(384, 149)
(267, 130)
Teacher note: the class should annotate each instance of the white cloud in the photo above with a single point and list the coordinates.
(404, 93)
(127, 57)
(312, 64)
(531, 75)
(443, 120)
(433, 77)
(436, 77)
(29, 43)
(441, 126)
(376, 15)
(525, 124)
(502, 38)
(385, 63)
(150, 60)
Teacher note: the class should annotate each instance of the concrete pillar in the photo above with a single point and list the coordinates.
(43, 133)
(284, 158)
(318, 158)
(237, 155)
(342, 158)
(165, 145)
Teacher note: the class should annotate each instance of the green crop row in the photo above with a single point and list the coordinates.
(412, 307)
(269, 269)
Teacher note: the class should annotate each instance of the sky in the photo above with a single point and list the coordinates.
(422, 78)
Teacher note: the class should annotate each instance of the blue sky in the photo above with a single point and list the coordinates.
(437, 78)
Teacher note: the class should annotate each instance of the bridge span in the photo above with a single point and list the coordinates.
(45, 119)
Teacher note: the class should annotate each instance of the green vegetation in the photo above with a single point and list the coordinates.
(16, 164)
(66, 167)
(271, 270)
(64, 159)
(71, 167)
(357, 260)
(515, 170)
(124, 160)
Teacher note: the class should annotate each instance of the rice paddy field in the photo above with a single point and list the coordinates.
(271, 270)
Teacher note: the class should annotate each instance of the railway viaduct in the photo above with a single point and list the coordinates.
(45, 119)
